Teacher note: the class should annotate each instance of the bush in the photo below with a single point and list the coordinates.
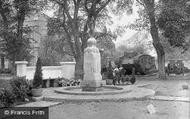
(186, 70)
(21, 88)
(4, 83)
(7, 98)
(37, 82)
(66, 82)
(5, 71)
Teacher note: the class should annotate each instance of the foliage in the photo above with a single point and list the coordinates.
(149, 20)
(5, 71)
(17, 49)
(60, 82)
(174, 21)
(37, 81)
(5, 84)
(21, 88)
(7, 98)
(15, 36)
(142, 22)
(78, 20)
(68, 82)
(138, 44)
(53, 50)
(176, 53)
(103, 36)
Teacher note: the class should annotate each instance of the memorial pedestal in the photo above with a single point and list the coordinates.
(92, 80)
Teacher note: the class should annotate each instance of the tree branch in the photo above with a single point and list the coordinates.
(68, 35)
(85, 5)
(5, 20)
(74, 1)
(66, 10)
(140, 2)
(76, 9)
(67, 52)
(58, 2)
(64, 5)
(100, 35)
(102, 7)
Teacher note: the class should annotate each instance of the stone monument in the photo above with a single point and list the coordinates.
(92, 80)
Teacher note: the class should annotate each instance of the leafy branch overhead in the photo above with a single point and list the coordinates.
(77, 20)
(80, 17)
(15, 35)
(172, 19)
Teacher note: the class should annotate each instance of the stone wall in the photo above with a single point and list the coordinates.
(66, 70)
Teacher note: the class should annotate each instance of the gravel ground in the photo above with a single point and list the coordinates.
(170, 87)
(121, 110)
(133, 109)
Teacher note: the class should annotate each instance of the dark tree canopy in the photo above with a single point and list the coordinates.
(174, 21)
(13, 32)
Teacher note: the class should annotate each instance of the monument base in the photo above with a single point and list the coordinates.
(92, 85)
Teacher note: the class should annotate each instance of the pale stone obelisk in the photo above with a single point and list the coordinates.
(92, 80)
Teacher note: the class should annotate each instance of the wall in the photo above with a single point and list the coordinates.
(47, 71)
(66, 70)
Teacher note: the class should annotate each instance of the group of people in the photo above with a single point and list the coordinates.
(120, 76)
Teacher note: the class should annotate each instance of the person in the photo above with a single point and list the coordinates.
(122, 74)
(133, 79)
(116, 74)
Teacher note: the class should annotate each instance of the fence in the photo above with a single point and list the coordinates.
(66, 70)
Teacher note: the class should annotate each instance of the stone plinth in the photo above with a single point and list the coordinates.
(21, 68)
(92, 80)
(92, 85)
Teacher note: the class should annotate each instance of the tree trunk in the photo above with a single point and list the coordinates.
(5, 29)
(161, 62)
(160, 53)
(20, 23)
(79, 67)
(161, 66)
(2, 61)
(13, 65)
(150, 9)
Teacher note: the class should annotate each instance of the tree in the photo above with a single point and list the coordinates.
(13, 32)
(169, 30)
(162, 15)
(37, 81)
(78, 20)
(150, 10)
(54, 50)
(174, 22)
